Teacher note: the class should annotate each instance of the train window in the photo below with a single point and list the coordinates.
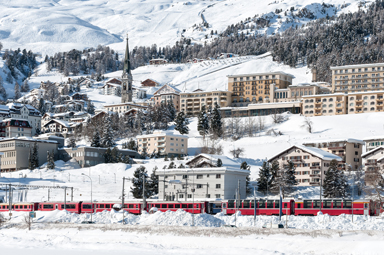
(231, 203)
(365, 205)
(171, 206)
(131, 206)
(108, 206)
(163, 205)
(177, 205)
(48, 206)
(68, 206)
(102, 206)
(197, 206)
(347, 204)
(184, 206)
(190, 206)
(87, 206)
(246, 203)
(327, 204)
(316, 203)
(25, 206)
(285, 205)
(270, 204)
(337, 204)
(262, 204)
(125, 206)
(17, 207)
(157, 205)
(252, 204)
(277, 203)
(224, 205)
(307, 204)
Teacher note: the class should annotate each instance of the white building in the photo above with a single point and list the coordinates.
(204, 177)
(111, 89)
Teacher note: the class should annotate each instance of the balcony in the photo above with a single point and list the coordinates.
(145, 141)
(314, 167)
(339, 112)
(315, 175)
(359, 100)
(336, 148)
(340, 107)
(318, 102)
(161, 145)
(371, 163)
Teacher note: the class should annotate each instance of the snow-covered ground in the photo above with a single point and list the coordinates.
(49, 26)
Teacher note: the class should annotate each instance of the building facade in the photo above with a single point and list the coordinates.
(364, 102)
(310, 163)
(16, 152)
(349, 150)
(203, 180)
(167, 94)
(111, 89)
(192, 102)
(256, 87)
(358, 78)
(163, 143)
(22, 112)
(325, 105)
(373, 142)
(373, 165)
(122, 108)
(90, 156)
(15, 128)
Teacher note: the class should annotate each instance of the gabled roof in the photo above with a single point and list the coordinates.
(372, 151)
(61, 122)
(311, 150)
(175, 90)
(212, 159)
(348, 140)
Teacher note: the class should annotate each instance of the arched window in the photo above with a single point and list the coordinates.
(311, 101)
(306, 107)
(372, 97)
(253, 99)
(306, 112)
(260, 99)
(331, 105)
(324, 100)
(330, 111)
(234, 100)
(352, 98)
(351, 104)
(365, 109)
(311, 112)
(247, 99)
(330, 100)
(351, 110)
(324, 111)
(373, 108)
(307, 101)
(372, 103)
(241, 100)
(365, 98)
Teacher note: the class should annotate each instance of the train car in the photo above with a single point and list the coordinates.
(21, 207)
(74, 207)
(334, 207)
(131, 207)
(195, 208)
(263, 207)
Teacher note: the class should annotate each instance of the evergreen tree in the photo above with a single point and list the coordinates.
(108, 156)
(264, 177)
(25, 86)
(171, 110)
(3, 92)
(216, 122)
(127, 160)
(137, 183)
(72, 142)
(95, 139)
(30, 159)
(181, 123)
(331, 183)
(41, 106)
(154, 184)
(91, 108)
(181, 166)
(17, 91)
(107, 140)
(244, 166)
(50, 160)
(219, 163)
(35, 156)
(203, 123)
(342, 189)
(172, 165)
(287, 179)
(115, 155)
(132, 145)
(144, 153)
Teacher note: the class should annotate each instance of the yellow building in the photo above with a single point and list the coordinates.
(192, 102)
(163, 142)
(324, 105)
(365, 102)
(256, 87)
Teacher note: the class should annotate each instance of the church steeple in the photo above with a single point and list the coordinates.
(127, 61)
(126, 93)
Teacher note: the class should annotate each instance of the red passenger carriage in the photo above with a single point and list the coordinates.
(263, 207)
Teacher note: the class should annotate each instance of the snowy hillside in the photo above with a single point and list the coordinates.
(49, 26)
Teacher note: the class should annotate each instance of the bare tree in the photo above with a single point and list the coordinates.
(2, 220)
(308, 124)
(211, 145)
(237, 152)
(277, 117)
(250, 126)
(261, 123)
(28, 221)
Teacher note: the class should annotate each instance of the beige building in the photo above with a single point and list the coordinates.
(324, 105)
(349, 150)
(358, 78)
(373, 142)
(373, 164)
(166, 94)
(364, 102)
(163, 142)
(123, 107)
(16, 152)
(296, 91)
(202, 179)
(256, 87)
(311, 163)
(192, 102)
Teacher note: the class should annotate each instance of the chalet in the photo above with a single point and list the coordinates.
(158, 61)
(114, 81)
(149, 83)
(15, 128)
(79, 96)
(59, 126)
(373, 165)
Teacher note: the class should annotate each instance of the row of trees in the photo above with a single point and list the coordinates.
(272, 178)
(210, 122)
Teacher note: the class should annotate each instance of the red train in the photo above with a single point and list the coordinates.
(228, 207)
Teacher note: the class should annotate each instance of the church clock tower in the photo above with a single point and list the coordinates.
(126, 93)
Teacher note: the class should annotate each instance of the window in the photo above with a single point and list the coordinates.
(218, 176)
(218, 186)
(189, 195)
(218, 195)
(199, 176)
(181, 195)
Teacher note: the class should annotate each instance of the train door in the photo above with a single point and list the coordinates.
(366, 209)
(56, 206)
(224, 207)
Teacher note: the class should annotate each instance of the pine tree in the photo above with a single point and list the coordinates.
(51, 160)
(127, 160)
(108, 156)
(216, 122)
(72, 142)
(219, 163)
(25, 86)
(330, 185)
(244, 166)
(171, 111)
(132, 145)
(144, 153)
(181, 123)
(154, 184)
(17, 91)
(115, 155)
(91, 108)
(3, 92)
(95, 139)
(35, 156)
(287, 179)
(342, 184)
(137, 183)
(107, 140)
(264, 177)
(203, 123)
(172, 165)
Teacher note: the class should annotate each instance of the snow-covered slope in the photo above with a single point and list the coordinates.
(49, 26)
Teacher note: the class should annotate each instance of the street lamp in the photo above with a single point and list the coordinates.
(91, 193)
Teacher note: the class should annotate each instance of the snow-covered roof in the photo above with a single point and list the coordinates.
(258, 74)
(228, 163)
(372, 151)
(347, 140)
(379, 137)
(356, 66)
(324, 155)
(157, 133)
(27, 138)
(368, 92)
(61, 122)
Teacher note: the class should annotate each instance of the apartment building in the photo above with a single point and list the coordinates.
(310, 162)
(256, 87)
(90, 156)
(123, 107)
(325, 105)
(111, 89)
(364, 102)
(192, 102)
(202, 179)
(373, 165)
(163, 142)
(296, 91)
(349, 150)
(166, 94)
(16, 152)
(373, 142)
(15, 128)
(23, 112)
(358, 78)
